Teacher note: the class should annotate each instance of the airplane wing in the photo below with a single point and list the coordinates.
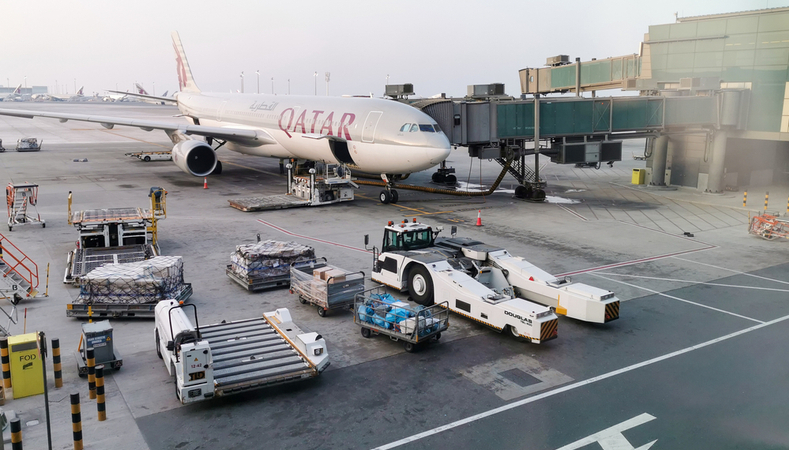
(153, 97)
(252, 137)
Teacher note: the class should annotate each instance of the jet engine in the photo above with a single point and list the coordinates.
(195, 157)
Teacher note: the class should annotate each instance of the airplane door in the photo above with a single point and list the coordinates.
(220, 111)
(371, 122)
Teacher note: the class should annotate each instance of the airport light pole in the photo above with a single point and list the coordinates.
(327, 83)
(289, 86)
(272, 85)
(242, 81)
(153, 89)
(25, 82)
(315, 83)
(258, 79)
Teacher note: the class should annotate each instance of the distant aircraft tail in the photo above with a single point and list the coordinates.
(185, 81)
(18, 90)
(79, 92)
(165, 94)
(140, 89)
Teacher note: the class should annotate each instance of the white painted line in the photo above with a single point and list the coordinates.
(691, 282)
(679, 299)
(568, 210)
(613, 437)
(731, 270)
(635, 261)
(569, 387)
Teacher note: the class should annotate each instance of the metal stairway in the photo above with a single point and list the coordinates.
(19, 273)
(18, 197)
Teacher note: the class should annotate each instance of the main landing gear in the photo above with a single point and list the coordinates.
(388, 195)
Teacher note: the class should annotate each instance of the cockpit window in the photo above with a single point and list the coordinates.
(414, 128)
(426, 127)
(436, 127)
(405, 127)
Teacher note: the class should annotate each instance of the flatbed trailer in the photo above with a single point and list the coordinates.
(325, 286)
(232, 357)
(152, 156)
(114, 310)
(419, 326)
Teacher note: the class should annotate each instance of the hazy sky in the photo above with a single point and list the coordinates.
(438, 45)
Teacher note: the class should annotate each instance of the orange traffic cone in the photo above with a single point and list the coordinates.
(205, 183)
(479, 222)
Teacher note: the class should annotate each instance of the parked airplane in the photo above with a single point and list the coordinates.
(366, 134)
(15, 96)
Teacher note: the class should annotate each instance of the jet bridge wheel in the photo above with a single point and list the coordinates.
(421, 286)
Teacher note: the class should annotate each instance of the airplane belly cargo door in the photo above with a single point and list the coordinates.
(369, 129)
(339, 150)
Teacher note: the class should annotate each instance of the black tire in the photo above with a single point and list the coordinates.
(437, 177)
(450, 180)
(44, 225)
(147, 158)
(394, 195)
(421, 286)
(409, 347)
(539, 195)
(175, 381)
(158, 348)
(321, 311)
(302, 300)
(385, 197)
(218, 169)
(514, 332)
(521, 191)
(365, 332)
(438, 336)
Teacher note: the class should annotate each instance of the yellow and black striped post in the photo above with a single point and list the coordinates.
(100, 393)
(6, 362)
(16, 434)
(765, 208)
(744, 199)
(76, 421)
(91, 374)
(56, 363)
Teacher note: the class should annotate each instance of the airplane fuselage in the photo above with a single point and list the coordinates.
(367, 134)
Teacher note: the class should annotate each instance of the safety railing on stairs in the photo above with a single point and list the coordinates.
(18, 262)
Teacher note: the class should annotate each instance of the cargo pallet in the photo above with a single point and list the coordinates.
(255, 283)
(111, 310)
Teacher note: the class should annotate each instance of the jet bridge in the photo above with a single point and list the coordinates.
(575, 130)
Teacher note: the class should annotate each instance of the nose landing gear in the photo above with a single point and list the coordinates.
(388, 195)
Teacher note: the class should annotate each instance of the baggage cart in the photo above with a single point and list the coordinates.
(325, 286)
(377, 312)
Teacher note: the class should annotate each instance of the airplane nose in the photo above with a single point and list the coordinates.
(437, 154)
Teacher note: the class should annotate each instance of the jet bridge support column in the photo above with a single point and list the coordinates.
(660, 145)
(716, 171)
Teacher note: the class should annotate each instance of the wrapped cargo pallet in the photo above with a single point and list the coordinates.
(268, 259)
(149, 281)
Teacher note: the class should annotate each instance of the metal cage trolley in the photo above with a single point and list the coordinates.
(379, 313)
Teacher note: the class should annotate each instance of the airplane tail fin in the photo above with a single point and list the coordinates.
(18, 89)
(80, 91)
(140, 89)
(185, 81)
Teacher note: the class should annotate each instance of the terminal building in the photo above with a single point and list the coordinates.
(713, 92)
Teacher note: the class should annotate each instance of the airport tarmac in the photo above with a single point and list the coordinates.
(698, 358)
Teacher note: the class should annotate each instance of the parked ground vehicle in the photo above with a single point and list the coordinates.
(231, 357)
